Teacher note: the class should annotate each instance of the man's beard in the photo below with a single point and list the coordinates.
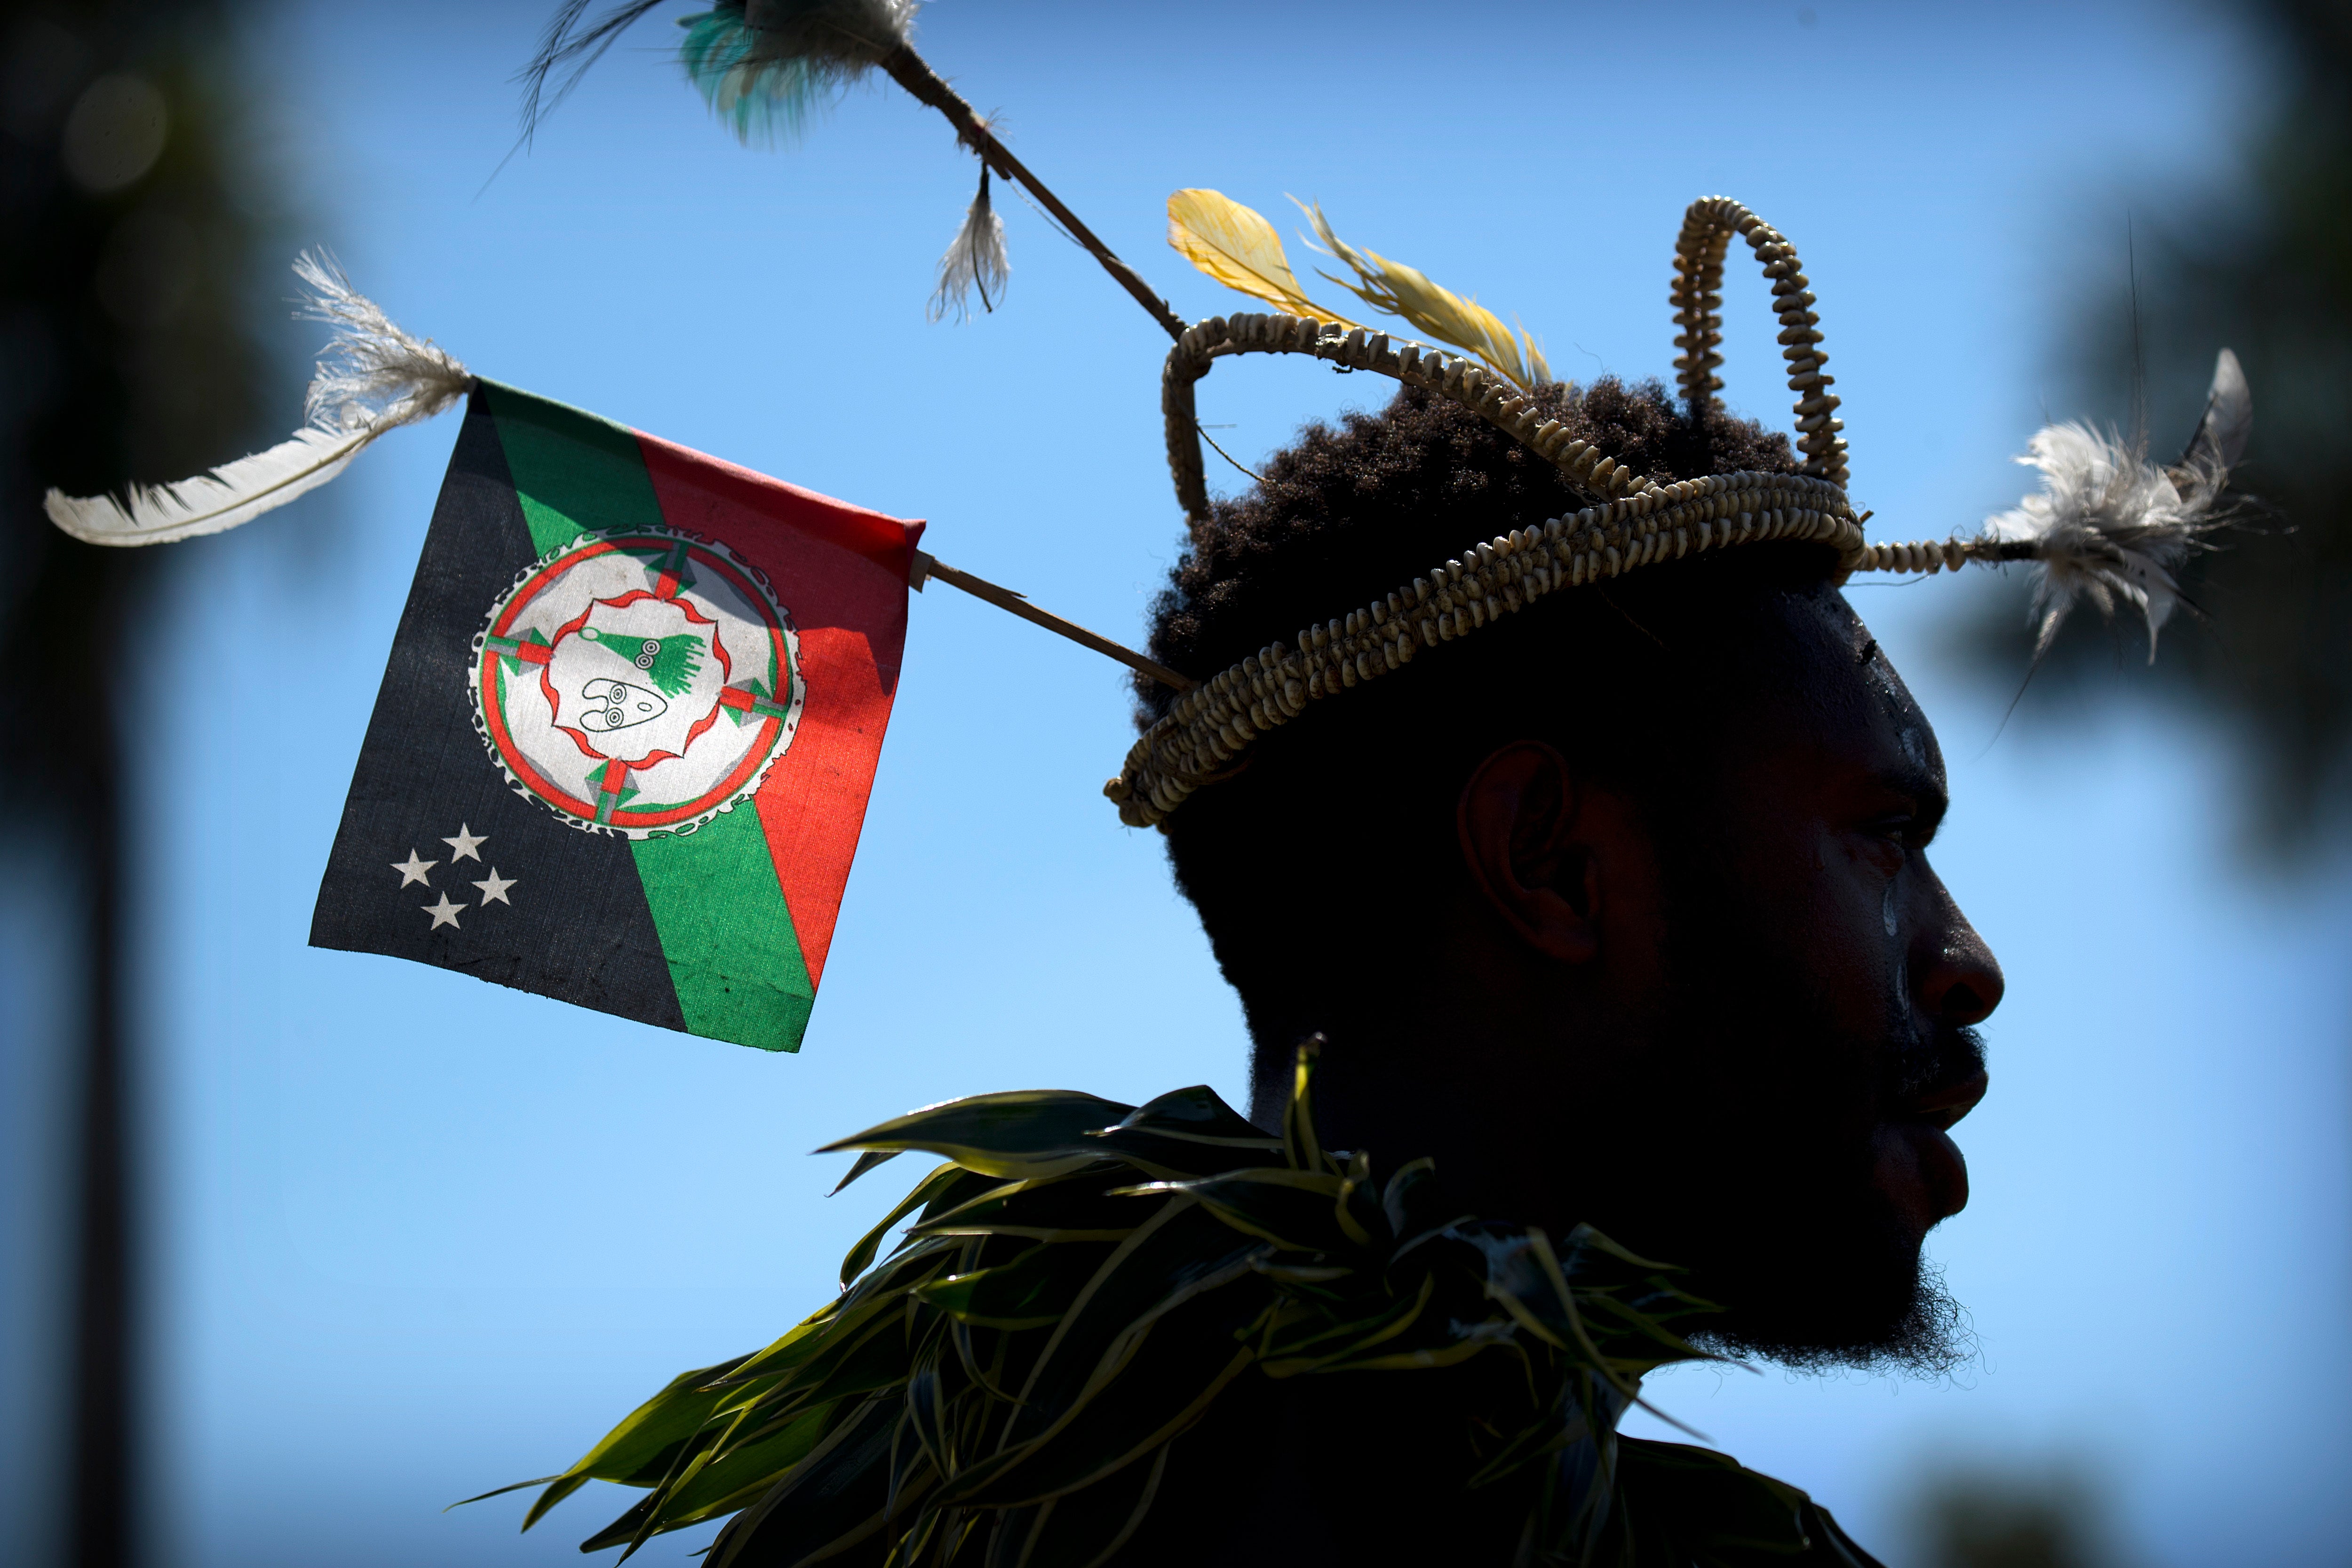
(1757, 1172)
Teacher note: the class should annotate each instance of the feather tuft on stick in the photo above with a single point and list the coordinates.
(765, 66)
(372, 377)
(975, 261)
(2111, 525)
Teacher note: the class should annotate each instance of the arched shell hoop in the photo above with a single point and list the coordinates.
(1697, 296)
(1449, 375)
(1210, 726)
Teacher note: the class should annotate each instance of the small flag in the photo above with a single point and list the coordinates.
(625, 738)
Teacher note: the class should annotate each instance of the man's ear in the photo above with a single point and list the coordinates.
(1524, 826)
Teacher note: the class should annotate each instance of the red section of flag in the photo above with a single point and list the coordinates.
(840, 571)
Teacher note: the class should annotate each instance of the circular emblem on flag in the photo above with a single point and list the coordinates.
(637, 681)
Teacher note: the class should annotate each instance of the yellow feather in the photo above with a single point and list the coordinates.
(1240, 249)
(1537, 366)
(1401, 290)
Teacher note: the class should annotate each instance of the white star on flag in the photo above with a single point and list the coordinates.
(444, 913)
(495, 887)
(463, 847)
(414, 869)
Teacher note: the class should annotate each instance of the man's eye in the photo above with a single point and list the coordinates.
(1903, 831)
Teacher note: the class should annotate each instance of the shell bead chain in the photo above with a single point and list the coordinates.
(1933, 555)
(1207, 727)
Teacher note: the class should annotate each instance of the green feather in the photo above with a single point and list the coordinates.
(764, 81)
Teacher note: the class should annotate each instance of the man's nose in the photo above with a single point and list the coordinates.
(1961, 982)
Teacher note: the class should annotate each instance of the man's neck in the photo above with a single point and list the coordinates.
(1499, 1091)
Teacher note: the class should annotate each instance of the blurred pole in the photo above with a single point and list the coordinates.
(2263, 263)
(107, 1473)
(127, 239)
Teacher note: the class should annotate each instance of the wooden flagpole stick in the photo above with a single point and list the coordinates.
(928, 566)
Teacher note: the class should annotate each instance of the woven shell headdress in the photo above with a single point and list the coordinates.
(2110, 524)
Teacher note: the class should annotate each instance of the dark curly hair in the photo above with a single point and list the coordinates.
(1305, 865)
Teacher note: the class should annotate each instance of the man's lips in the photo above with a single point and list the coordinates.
(1942, 1107)
(1919, 1166)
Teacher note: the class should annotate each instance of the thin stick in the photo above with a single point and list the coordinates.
(928, 566)
(908, 69)
(1202, 431)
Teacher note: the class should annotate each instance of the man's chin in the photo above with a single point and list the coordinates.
(1920, 1172)
(1887, 1313)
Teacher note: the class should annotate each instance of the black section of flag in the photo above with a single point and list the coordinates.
(574, 924)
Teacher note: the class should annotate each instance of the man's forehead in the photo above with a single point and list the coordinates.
(1892, 703)
(1851, 704)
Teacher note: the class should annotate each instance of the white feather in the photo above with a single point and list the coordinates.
(2111, 525)
(231, 494)
(372, 377)
(976, 260)
(370, 372)
(2222, 433)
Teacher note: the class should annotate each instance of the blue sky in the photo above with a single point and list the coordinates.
(421, 1237)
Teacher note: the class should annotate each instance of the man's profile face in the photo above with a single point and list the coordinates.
(1812, 1037)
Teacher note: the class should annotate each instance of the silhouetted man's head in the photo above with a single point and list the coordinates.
(1620, 907)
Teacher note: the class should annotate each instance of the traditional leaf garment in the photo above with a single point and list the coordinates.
(1087, 1288)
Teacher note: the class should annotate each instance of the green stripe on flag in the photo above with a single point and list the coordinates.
(573, 470)
(715, 898)
(725, 929)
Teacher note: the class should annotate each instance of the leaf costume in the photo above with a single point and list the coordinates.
(1097, 1313)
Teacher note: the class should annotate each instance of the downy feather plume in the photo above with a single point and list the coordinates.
(1240, 249)
(2110, 525)
(764, 66)
(975, 261)
(1400, 290)
(371, 378)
